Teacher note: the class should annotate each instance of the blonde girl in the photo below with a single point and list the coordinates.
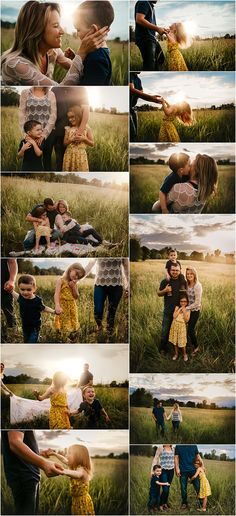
(66, 295)
(59, 412)
(205, 488)
(182, 111)
(75, 157)
(178, 329)
(80, 472)
(176, 38)
(176, 417)
(42, 229)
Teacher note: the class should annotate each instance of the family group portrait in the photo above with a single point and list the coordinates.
(182, 408)
(66, 388)
(64, 129)
(69, 43)
(175, 178)
(180, 321)
(182, 479)
(64, 301)
(178, 107)
(56, 215)
(182, 36)
(64, 472)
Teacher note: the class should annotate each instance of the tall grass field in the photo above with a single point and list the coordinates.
(205, 55)
(219, 473)
(105, 209)
(198, 426)
(118, 55)
(108, 489)
(110, 131)
(146, 180)
(215, 327)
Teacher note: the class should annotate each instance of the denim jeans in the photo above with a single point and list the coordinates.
(133, 125)
(194, 316)
(8, 308)
(165, 330)
(31, 335)
(175, 425)
(92, 232)
(154, 499)
(29, 241)
(54, 140)
(152, 54)
(101, 293)
(160, 427)
(26, 496)
(184, 484)
(167, 475)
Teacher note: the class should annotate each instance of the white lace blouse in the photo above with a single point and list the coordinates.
(43, 109)
(109, 271)
(185, 199)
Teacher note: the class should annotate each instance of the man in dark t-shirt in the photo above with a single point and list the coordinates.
(159, 416)
(185, 456)
(145, 35)
(170, 290)
(52, 212)
(86, 377)
(136, 92)
(8, 277)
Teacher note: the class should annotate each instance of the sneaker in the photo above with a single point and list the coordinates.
(186, 358)
(175, 358)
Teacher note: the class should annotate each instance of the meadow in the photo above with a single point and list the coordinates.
(108, 489)
(198, 426)
(219, 473)
(105, 209)
(145, 182)
(87, 333)
(110, 132)
(203, 55)
(118, 55)
(209, 125)
(215, 328)
(114, 400)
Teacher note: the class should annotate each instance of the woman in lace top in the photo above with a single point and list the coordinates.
(37, 31)
(39, 104)
(192, 196)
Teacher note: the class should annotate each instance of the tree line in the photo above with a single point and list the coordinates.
(143, 398)
(149, 451)
(27, 379)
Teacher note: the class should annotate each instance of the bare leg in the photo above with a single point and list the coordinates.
(185, 356)
(157, 207)
(48, 241)
(176, 353)
(37, 239)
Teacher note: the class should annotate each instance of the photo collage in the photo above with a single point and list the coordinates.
(117, 257)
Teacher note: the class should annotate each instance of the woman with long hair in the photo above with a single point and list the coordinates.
(194, 291)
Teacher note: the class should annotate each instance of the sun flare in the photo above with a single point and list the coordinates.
(72, 367)
(94, 97)
(177, 97)
(190, 27)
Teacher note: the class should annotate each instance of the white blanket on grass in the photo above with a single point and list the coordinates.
(23, 409)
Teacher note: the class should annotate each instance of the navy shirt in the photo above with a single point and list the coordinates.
(186, 454)
(50, 214)
(97, 68)
(169, 182)
(154, 487)
(85, 378)
(159, 414)
(16, 468)
(91, 410)
(31, 162)
(142, 33)
(170, 302)
(134, 79)
(30, 311)
(169, 263)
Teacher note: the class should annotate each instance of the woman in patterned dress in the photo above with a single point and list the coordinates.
(59, 412)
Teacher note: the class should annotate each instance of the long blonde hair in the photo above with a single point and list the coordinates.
(77, 112)
(59, 380)
(81, 458)
(183, 112)
(181, 35)
(75, 266)
(194, 272)
(65, 204)
(206, 173)
(30, 25)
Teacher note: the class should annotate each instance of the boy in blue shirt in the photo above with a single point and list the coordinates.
(154, 490)
(179, 163)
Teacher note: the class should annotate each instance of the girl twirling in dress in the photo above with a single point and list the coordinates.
(182, 111)
(205, 488)
(75, 157)
(59, 412)
(178, 329)
(176, 37)
(80, 473)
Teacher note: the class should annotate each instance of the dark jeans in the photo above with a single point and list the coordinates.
(29, 240)
(154, 499)
(160, 427)
(26, 496)
(54, 140)
(92, 232)
(152, 54)
(31, 335)
(175, 425)
(194, 316)
(133, 125)
(114, 295)
(184, 484)
(165, 330)
(167, 475)
(8, 308)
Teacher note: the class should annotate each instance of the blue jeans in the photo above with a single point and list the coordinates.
(152, 54)
(114, 295)
(175, 425)
(154, 499)
(184, 484)
(133, 125)
(29, 241)
(26, 496)
(165, 330)
(31, 335)
(161, 427)
(166, 476)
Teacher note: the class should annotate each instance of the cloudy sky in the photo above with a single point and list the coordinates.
(187, 233)
(107, 362)
(200, 89)
(62, 263)
(101, 442)
(218, 388)
(164, 150)
(105, 177)
(229, 449)
(208, 18)
(119, 28)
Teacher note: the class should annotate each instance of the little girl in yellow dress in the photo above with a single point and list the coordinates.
(178, 329)
(205, 488)
(182, 111)
(59, 411)
(177, 37)
(75, 157)
(80, 473)
(66, 295)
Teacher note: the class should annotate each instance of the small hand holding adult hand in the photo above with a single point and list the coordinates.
(157, 99)
(8, 286)
(58, 310)
(47, 453)
(126, 293)
(177, 472)
(36, 393)
(52, 469)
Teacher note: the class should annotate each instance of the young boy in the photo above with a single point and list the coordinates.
(179, 163)
(31, 307)
(92, 408)
(93, 15)
(172, 260)
(72, 232)
(154, 491)
(30, 149)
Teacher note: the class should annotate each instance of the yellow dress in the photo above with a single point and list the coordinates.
(205, 488)
(175, 59)
(75, 157)
(58, 418)
(82, 503)
(42, 231)
(178, 332)
(168, 131)
(68, 320)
